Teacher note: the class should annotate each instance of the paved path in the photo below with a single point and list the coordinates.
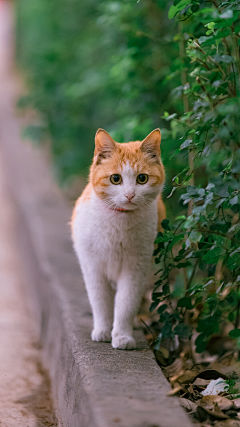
(24, 386)
(24, 390)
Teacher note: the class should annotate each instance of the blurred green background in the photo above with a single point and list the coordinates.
(92, 64)
(125, 67)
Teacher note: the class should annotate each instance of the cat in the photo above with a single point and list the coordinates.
(114, 225)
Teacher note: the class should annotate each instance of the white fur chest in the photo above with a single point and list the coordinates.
(114, 239)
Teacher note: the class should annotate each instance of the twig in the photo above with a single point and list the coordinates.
(186, 109)
(154, 338)
(204, 230)
(238, 312)
(192, 276)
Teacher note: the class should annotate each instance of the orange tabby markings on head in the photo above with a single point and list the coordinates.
(111, 157)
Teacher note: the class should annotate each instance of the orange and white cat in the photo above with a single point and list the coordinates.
(114, 225)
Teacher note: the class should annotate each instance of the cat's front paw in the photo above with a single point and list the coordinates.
(99, 335)
(124, 342)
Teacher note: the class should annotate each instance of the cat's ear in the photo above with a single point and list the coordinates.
(104, 145)
(151, 144)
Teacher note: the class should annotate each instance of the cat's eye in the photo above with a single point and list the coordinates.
(116, 179)
(142, 178)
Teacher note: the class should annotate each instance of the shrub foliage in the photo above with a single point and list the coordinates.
(205, 244)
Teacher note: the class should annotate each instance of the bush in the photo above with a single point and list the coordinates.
(205, 245)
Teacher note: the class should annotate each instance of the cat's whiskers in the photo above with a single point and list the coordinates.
(113, 206)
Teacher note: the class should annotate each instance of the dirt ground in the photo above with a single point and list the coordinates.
(24, 385)
(25, 397)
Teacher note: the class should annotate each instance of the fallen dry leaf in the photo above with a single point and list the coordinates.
(188, 404)
(201, 382)
(160, 358)
(149, 338)
(174, 368)
(187, 377)
(236, 403)
(219, 343)
(174, 391)
(190, 389)
(216, 412)
(210, 401)
(211, 374)
(230, 371)
(227, 423)
(165, 352)
(227, 358)
(177, 376)
(202, 414)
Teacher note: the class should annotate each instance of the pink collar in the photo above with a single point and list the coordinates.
(122, 210)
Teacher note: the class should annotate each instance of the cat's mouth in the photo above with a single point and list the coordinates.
(123, 210)
(126, 209)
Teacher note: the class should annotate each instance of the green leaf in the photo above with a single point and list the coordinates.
(186, 143)
(210, 186)
(233, 260)
(153, 305)
(163, 237)
(183, 331)
(201, 343)
(158, 341)
(156, 295)
(183, 264)
(175, 240)
(194, 8)
(235, 333)
(170, 117)
(166, 289)
(162, 308)
(195, 236)
(174, 9)
(181, 217)
(203, 39)
(209, 324)
(234, 200)
(223, 58)
(227, 14)
(210, 25)
(237, 29)
(165, 224)
(167, 330)
(212, 256)
(185, 302)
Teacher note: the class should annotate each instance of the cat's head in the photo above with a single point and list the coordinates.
(128, 175)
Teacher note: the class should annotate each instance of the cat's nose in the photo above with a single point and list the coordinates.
(129, 195)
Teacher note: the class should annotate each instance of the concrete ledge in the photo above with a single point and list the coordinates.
(93, 384)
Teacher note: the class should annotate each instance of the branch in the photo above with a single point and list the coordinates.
(192, 275)
(206, 230)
